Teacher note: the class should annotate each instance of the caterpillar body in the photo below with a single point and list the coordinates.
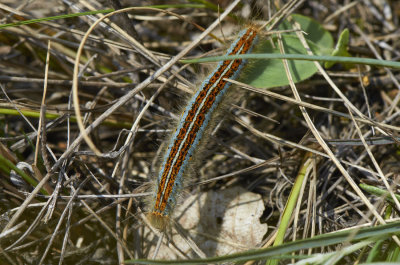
(190, 129)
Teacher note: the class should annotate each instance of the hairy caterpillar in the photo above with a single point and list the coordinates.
(192, 124)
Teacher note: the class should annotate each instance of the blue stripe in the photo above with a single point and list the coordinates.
(208, 114)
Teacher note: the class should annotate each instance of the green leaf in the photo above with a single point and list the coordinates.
(315, 32)
(341, 49)
(271, 73)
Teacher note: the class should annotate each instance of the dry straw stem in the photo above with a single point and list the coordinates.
(319, 137)
(129, 139)
(265, 154)
(140, 86)
(389, 71)
(301, 103)
(283, 142)
(377, 167)
(114, 107)
(60, 221)
(42, 109)
(284, 221)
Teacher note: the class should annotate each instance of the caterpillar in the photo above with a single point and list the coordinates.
(190, 129)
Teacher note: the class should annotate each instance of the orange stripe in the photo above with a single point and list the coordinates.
(242, 47)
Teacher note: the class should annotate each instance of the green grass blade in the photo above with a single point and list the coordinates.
(177, 6)
(7, 166)
(53, 116)
(378, 232)
(38, 20)
(290, 205)
(260, 56)
(378, 192)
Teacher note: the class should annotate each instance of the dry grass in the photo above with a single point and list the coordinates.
(94, 212)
